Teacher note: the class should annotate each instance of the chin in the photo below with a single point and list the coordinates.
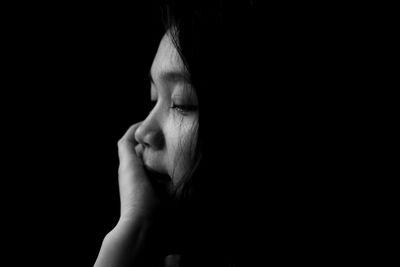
(162, 182)
(155, 171)
(153, 166)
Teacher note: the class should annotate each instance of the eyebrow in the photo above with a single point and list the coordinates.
(171, 77)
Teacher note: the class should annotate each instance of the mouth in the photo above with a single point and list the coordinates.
(139, 152)
(162, 183)
(153, 174)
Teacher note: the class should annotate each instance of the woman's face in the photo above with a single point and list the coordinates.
(166, 137)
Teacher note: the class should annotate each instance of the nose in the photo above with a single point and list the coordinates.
(150, 133)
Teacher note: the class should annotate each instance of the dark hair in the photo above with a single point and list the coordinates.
(214, 40)
(269, 131)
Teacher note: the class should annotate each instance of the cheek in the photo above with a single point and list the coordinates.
(181, 137)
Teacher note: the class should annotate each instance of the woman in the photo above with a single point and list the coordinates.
(176, 180)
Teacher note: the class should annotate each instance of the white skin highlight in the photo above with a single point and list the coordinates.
(165, 136)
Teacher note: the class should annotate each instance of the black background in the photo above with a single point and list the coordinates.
(75, 78)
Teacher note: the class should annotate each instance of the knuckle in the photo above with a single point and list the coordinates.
(121, 142)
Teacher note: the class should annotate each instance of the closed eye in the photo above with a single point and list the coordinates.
(184, 108)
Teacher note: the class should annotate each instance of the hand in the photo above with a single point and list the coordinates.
(130, 242)
(137, 194)
(144, 201)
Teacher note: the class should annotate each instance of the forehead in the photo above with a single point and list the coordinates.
(167, 58)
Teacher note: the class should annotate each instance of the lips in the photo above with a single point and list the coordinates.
(139, 151)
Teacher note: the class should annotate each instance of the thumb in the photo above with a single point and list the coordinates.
(126, 150)
(127, 144)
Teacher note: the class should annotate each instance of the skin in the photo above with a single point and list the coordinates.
(164, 137)
(159, 144)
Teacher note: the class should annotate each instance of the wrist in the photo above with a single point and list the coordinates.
(130, 227)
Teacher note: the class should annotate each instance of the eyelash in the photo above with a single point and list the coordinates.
(184, 108)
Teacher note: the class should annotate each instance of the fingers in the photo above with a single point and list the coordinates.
(129, 136)
(126, 147)
(135, 189)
